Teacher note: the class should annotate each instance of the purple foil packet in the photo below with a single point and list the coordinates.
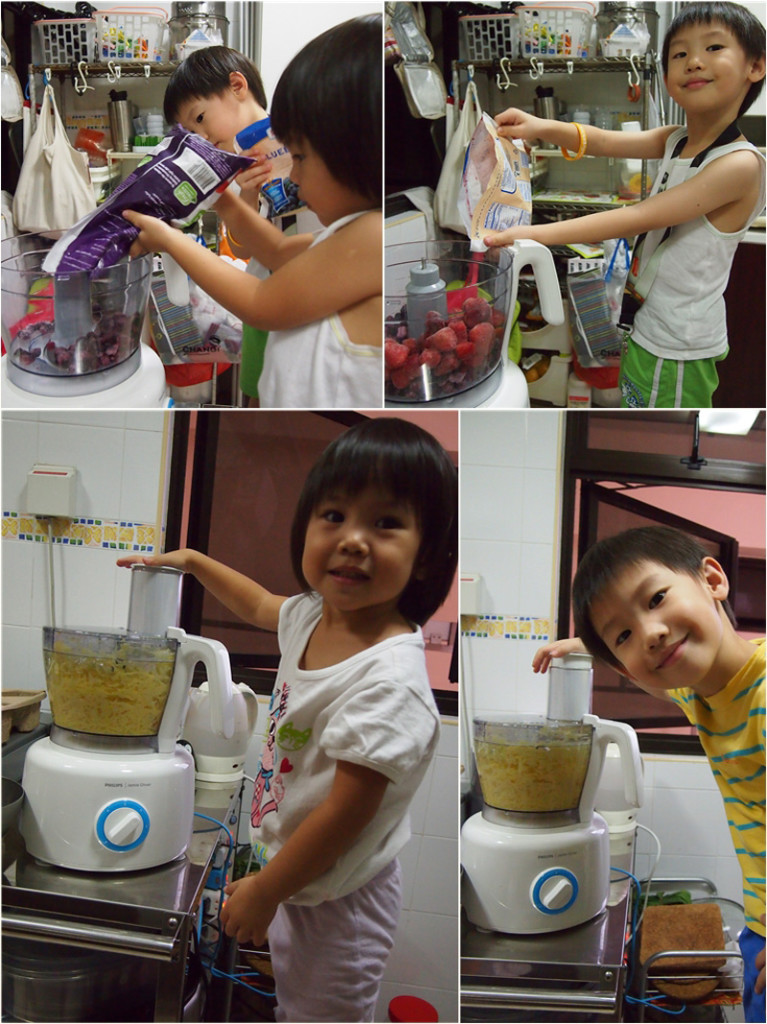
(185, 176)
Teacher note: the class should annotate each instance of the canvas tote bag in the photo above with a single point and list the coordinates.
(449, 185)
(54, 189)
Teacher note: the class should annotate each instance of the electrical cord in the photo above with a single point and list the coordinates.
(651, 873)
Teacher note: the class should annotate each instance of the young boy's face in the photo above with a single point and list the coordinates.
(708, 70)
(217, 118)
(665, 627)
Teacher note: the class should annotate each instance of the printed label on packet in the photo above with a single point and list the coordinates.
(496, 192)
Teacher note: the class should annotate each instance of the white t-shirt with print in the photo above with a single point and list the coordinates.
(374, 709)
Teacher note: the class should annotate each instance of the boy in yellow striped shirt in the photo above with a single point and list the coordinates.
(652, 603)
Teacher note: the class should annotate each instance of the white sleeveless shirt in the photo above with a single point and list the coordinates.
(683, 316)
(316, 366)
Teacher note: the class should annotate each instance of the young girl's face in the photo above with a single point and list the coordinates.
(708, 68)
(322, 193)
(360, 551)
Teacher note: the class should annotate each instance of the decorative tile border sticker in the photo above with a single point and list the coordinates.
(82, 531)
(505, 627)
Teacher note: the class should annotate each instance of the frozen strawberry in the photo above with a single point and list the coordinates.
(482, 336)
(400, 378)
(476, 311)
(461, 331)
(448, 363)
(433, 322)
(395, 354)
(464, 350)
(497, 318)
(413, 364)
(431, 357)
(444, 340)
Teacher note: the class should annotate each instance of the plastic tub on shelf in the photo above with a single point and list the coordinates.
(64, 40)
(132, 33)
(489, 36)
(556, 31)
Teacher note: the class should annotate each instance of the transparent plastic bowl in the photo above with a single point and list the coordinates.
(100, 317)
(530, 764)
(109, 682)
(445, 355)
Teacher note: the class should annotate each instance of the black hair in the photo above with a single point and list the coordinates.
(206, 73)
(330, 94)
(745, 26)
(609, 558)
(412, 466)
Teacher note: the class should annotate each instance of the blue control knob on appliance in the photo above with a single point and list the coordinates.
(122, 825)
(554, 891)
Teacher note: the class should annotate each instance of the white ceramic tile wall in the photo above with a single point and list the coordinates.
(424, 961)
(119, 458)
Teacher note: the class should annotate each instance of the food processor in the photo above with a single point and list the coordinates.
(536, 858)
(111, 789)
(448, 314)
(219, 762)
(75, 339)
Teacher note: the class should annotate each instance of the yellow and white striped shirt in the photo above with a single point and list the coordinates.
(731, 729)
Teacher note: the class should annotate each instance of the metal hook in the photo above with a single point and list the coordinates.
(147, 70)
(47, 76)
(636, 80)
(570, 67)
(113, 73)
(82, 86)
(507, 82)
(536, 68)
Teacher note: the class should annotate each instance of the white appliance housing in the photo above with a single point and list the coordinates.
(106, 812)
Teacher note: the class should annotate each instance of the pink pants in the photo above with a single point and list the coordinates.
(329, 959)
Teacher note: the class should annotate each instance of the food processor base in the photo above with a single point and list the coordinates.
(527, 881)
(144, 389)
(91, 811)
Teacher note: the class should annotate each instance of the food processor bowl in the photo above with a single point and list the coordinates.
(108, 683)
(442, 341)
(75, 334)
(531, 769)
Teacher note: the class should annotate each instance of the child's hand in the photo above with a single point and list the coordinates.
(248, 910)
(252, 178)
(517, 124)
(496, 239)
(155, 235)
(557, 649)
(173, 560)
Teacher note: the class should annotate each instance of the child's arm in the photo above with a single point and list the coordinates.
(340, 272)
(253, 234)
(241, 595)
(328, 831)
(724, 188)
(556, 649)
(646, 145)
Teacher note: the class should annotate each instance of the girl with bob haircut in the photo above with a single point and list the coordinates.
(353, 725)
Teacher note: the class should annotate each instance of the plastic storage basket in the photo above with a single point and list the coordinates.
(64, 40)
(554, 31)
(488, 37)
(132, 34)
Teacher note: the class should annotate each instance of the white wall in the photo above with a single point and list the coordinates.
(121, 463)
(510, 527)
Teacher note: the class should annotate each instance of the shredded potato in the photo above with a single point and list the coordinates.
(546, 775)
(114, 695)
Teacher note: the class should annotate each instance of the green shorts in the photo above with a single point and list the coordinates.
(650, 382)
(253, 348)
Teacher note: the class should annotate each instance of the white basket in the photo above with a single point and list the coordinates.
(64, 40)
(555, 31)
(132, 34)
(490, 36)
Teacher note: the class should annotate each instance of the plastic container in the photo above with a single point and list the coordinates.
(578, 393)
(64, 40)
(555, 31)
(489, 36)
(260, 135)
(132, 33)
